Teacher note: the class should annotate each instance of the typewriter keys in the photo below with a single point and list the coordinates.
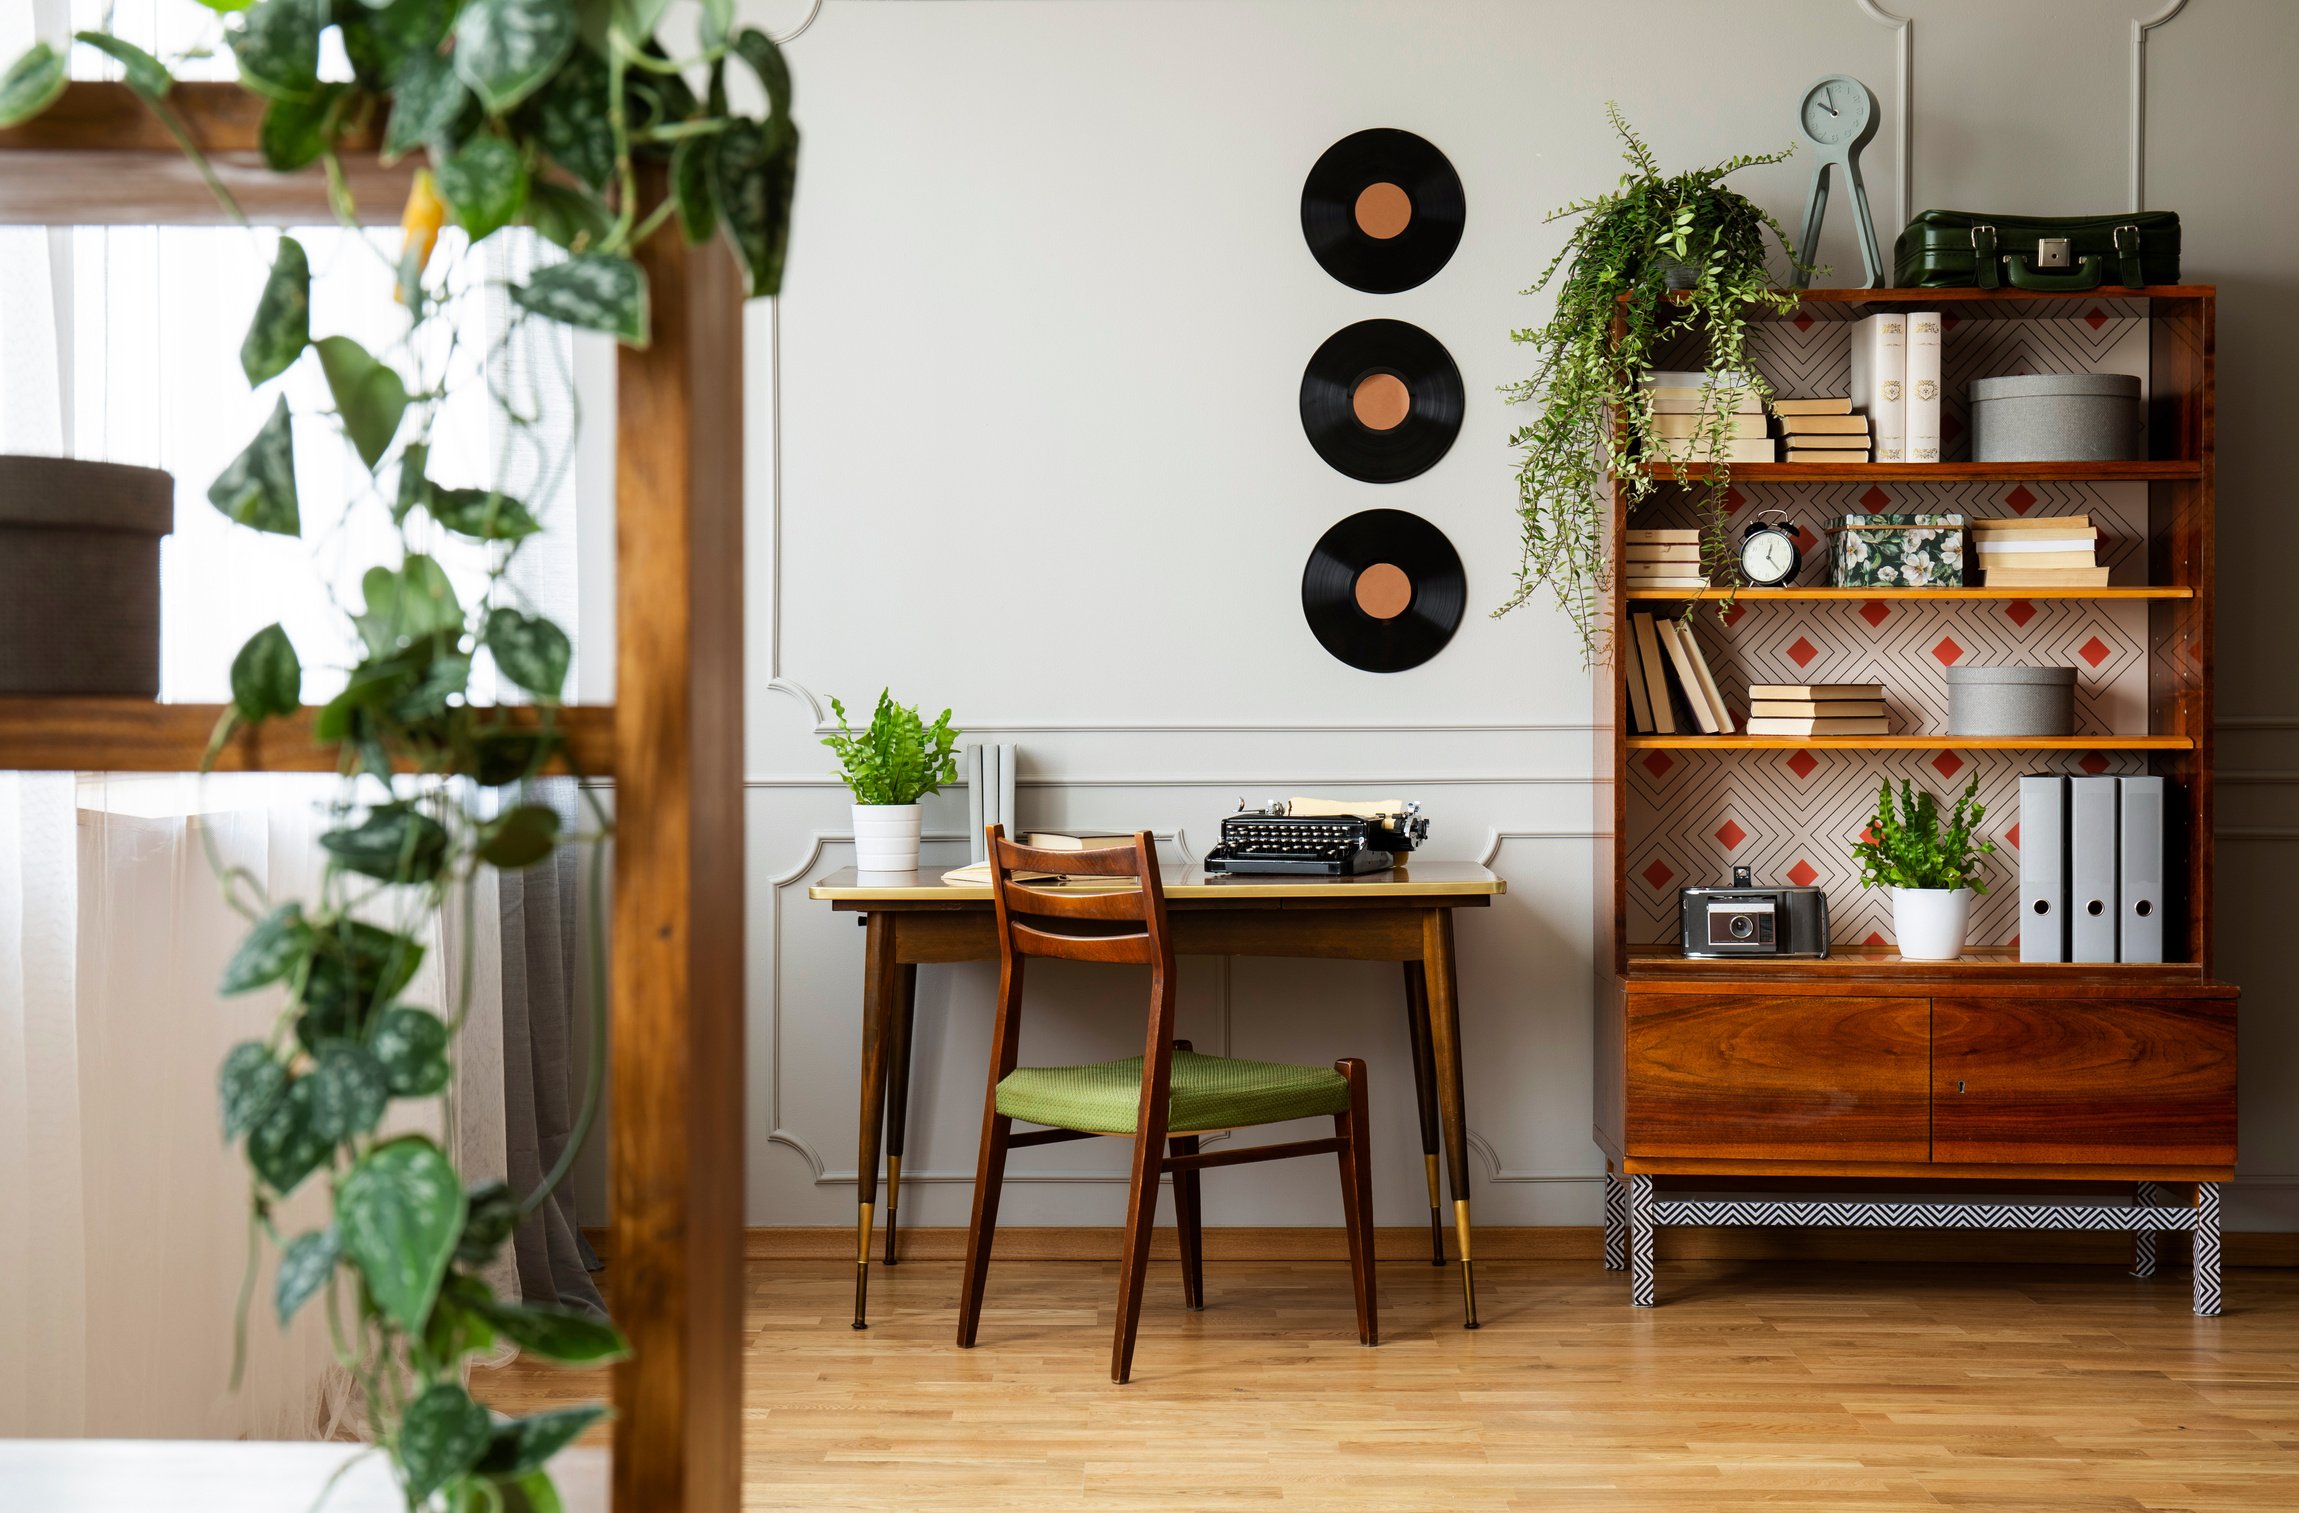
(1382, 210)
(1381, 401)
(1383, 590)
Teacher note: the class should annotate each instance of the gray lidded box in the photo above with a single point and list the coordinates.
(80, 576)
(2011, 701)
(2055, 417)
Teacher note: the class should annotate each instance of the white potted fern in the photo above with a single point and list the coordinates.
(890, 764)
(1931, 866)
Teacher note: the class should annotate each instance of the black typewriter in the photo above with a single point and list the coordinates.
(1275, 840)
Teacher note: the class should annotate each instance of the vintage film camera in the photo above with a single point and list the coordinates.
(1745, 920)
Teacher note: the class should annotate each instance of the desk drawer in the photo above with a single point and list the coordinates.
(2096, 1081)
(1748, 1077)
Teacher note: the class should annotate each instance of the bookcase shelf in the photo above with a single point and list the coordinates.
(139, 735)
(1933, 472)
(1944, 595)
(1918, 742)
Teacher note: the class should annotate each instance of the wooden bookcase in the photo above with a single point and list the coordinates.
(1863, 1067)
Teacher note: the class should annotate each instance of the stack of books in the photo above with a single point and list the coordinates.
(1686, 427)
(1816, 709)
(2057, 551)
(1662, 562)
(1666, 671)
(1822, 429)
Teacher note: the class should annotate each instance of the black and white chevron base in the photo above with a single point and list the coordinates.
(1616, 1223)
(1646, 1212)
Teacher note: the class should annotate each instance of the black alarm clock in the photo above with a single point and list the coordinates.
(1769, 555)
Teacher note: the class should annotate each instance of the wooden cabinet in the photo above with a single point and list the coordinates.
(2095, 1081)
(1734, 1076)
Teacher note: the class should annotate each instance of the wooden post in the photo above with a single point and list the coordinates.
(677, 1061)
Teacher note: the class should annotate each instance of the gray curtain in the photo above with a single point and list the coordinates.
(545, 1059)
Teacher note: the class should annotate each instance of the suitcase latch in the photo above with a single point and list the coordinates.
(2054, 252)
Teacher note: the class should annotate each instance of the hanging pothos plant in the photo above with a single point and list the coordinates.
(526, 112)
(1674, 259)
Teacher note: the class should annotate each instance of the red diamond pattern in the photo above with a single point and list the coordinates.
(1875, 498)
(2093, 763)
(1947, 651)
(2013, 836)
(1875, 611)
(1657, 874)
(2095, 317)
(1947, 764)
(1875, 939)
(1730, 835)
(1657, 763)
(1801, 652)
(1868, 834)
(1802, 873)
(1802, 764)
(1805, 540)
(1951, 428)
(1733, 500)
(2019, 612)
(1803, 322)
(2020, 499)
(1732, 615)
(1949, 320)
(2095, 651)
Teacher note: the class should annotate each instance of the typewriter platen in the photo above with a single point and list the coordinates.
(1280, 838)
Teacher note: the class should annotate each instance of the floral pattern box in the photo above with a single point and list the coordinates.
(1899, 551)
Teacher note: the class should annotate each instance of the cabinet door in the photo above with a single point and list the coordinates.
(2102, 1081)
(1747, 1077)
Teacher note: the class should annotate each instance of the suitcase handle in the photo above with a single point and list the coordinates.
(2088, 271)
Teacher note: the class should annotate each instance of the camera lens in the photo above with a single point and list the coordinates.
(1742, 927)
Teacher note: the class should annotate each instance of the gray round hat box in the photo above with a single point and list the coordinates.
(2055, 417)
(2011, 701)
(80, 576)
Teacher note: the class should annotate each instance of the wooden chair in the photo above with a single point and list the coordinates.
(1163, 1099)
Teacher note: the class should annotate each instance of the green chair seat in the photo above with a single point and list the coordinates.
(1209, 1093)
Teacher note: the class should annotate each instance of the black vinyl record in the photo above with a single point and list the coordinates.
(1383, 590)
(1382, 210)
(1381, 400)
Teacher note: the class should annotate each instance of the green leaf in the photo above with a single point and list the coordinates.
(717, 22)
(530, 651)
(427, 103)
(482, 514)
(494, 1214)
(145, 74)
(440, 1437)
(532, 1493)
(765, 59)
(694, 180)
(413, 604)
(396, 843)
(270, 952)
(250, 1079)
(567, 216)
(370, 398)
(399, 1211)
(571, 119)
(285, 1146)
(446, 675)
(500, 757)
(32, 84)
(225, 7)
(485, 185)
(382, 39)
(348, 1090)
(266, 678)
(757, 175)
(278, 48)
(356, 969)
(258, 489)
(565, 1336)
(454, 1331)
(527, 1444)
(295, 132)
(410, 1045)
(519, 837)
(591, 291)
(505, 49)
(413, 486)
(282, 325)
(305, 1264)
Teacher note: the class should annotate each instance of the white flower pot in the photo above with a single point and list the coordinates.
(886, 837)
(1929, 923)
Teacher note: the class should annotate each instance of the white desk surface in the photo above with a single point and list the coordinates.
(1190, 884)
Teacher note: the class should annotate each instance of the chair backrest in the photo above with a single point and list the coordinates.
(1102, 924)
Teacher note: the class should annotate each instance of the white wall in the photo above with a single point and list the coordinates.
(1048, 308)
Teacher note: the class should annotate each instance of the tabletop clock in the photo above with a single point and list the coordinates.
(1838, 116)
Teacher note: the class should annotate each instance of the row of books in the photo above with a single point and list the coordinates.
(1822, 428)
(2059, 551)
(1816, 709)
(1655, 648)
(1687, 428)
(1662, 562)
(1896, 382)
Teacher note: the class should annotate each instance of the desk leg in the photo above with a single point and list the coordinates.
(881, 987)
(898, 1090)
(1425, 1097)
(1445, 1043)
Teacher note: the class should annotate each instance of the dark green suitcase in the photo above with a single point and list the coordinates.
(1955, 249)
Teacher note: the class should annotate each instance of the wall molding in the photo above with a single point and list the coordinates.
(2139, 29)
(1903, 109)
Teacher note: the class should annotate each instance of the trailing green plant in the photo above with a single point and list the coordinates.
(1596, 420)
(540, 113)
(1911, 846)
(897, 758)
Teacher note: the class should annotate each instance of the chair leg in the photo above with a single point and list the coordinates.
(989, 1178)
(1133, 1264)
(1189, 1225)
(1356, 1160)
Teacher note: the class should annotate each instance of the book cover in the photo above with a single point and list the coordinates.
(1655, 678)
(2030, 561)
(1816, 690)
(1840, 404)
(1695, 449)
(1708, 687)
(1686, 423)
(2066, 523)
(1835, 456)
(1632, 672)
(1815, 727)
(1829, 440)
(1879, 374)
(1811, 709)
(1701, 401)
(1688, 551)
(2046, 577)
(1824, 425)
(1672, 637)
(1662, 537)
(1923, 386)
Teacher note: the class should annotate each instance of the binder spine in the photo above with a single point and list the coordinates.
(2092, 805)
(2043, 868)
(2140, 873)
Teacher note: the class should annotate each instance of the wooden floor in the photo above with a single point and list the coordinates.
(1819, 1386)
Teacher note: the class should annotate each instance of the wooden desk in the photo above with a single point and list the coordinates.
(1405, 915)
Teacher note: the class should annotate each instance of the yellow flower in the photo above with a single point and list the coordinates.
(419, 223)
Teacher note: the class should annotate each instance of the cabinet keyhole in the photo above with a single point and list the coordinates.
(1959, 1087)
